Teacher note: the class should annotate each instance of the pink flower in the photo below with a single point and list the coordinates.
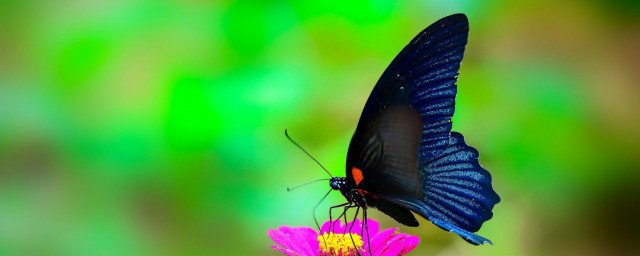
(305, 241)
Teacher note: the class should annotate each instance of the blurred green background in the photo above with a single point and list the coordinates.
(156, 127)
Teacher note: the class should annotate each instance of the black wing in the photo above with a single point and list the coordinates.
(385, 151)
(423, 76)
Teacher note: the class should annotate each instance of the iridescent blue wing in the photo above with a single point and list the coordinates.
(423, 76)
(458, 191)
(423, 209)
(458, 195)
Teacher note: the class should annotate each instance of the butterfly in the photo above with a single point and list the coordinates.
(403, 156)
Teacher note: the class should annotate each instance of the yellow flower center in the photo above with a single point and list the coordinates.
(339, 244)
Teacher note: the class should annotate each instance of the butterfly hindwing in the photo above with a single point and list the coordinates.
(423, 209)
(458, 195)
(457, 188)
(398, 213)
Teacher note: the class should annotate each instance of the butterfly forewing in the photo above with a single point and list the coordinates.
(426, 70)
(385, 152)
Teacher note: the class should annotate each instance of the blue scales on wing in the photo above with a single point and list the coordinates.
(458, 196)
(458, 192)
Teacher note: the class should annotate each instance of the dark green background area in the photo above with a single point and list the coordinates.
(156, 127)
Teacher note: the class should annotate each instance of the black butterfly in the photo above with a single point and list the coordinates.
(404, 157)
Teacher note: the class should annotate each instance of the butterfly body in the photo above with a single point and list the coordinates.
(403, 156)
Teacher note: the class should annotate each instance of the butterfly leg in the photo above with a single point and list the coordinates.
(347, 204)
(344, 213)
(355, 216)
(365, 226)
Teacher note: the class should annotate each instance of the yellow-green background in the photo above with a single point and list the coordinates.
(156, 127)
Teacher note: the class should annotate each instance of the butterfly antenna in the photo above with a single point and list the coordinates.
(298, 145)
(304, 184)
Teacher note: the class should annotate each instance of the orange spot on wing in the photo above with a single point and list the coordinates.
(357, 175)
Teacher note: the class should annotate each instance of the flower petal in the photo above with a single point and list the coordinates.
(397, 242)
(279, 238)
(333, 226)
(282, 239)
(400, 244)
(309, 237)
(337, 227)
(354, 226)
(393, 249)
(379, 241)
(409, 243)
(301, 240)
(285, 250)
(373, 226)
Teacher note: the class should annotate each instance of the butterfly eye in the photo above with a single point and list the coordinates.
(334, 185)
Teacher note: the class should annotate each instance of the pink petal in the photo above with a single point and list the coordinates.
(391, 250)
(338, 227)
(373, 226)
(282, 239)
(301, 240)
(333, 226)
(279, 238)
(309, 238)
(353, 226)
(392, 246)
(284, 250)
(410, 243)
(401, 244)
(380, 240)
(356, 228)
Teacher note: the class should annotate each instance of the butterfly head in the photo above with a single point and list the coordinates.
(338, 183)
